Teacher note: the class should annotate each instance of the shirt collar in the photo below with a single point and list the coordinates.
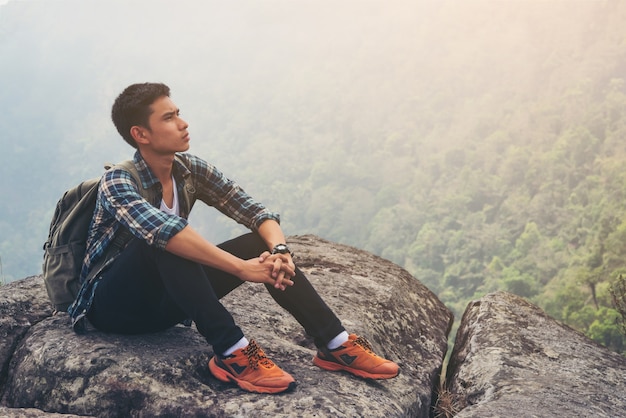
(148, 179)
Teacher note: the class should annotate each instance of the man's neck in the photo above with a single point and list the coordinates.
(160, 164)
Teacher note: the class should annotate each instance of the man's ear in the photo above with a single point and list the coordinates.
(139, 134)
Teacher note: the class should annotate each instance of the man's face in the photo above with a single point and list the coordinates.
(168, 132)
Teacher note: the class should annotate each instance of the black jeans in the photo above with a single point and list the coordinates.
(149, 290)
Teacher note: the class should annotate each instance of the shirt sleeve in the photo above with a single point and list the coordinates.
(120, 197)
(216, 190)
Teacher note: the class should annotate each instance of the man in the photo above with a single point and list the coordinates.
(168, 273)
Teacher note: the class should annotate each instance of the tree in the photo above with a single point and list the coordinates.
(618, 294)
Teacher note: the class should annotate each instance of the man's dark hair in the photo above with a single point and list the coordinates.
(132, 107)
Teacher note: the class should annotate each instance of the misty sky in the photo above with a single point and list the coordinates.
(236, 69)
(66, 60)
(80, 54)
(297, 71)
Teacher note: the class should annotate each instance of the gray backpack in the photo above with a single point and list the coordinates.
(64, 251)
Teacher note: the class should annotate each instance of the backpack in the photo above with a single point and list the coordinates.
(64, 251)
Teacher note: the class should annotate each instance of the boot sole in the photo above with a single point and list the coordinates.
(225, 376)
(334, 367)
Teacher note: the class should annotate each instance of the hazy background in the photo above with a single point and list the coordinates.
(272, 90)
(238, 70)
(298, 74)
(480, 144)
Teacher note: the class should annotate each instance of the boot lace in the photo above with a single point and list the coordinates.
(365, 344)
(256, 356)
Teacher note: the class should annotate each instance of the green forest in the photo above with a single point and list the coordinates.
(481, 146)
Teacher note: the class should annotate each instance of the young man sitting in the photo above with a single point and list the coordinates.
(169, 273)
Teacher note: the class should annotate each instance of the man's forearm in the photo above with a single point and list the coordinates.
(271, 232)
(191, 245)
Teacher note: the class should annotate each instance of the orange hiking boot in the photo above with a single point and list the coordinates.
(251, 370)
(356, 356)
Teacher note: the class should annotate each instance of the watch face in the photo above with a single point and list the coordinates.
(281, 248)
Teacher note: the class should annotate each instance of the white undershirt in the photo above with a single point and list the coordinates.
(175, 209)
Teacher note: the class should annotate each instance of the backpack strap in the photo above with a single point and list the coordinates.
(124, 236)
(119, 242)
(188, 195)
(147, 193)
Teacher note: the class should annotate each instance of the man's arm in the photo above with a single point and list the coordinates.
(191, 245)
(284, 268)
(271, 232)
(217, 190)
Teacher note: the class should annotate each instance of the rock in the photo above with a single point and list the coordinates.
(165, 374)
(32, 413)
(22, 304)
(510, 358)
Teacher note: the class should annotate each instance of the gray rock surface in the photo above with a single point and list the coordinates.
(22, 304)
(165, 374)
(511, 359)
(31, 413)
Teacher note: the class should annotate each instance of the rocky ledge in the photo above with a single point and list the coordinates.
(510, 359)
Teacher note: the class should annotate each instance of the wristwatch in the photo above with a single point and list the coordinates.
(281, 249)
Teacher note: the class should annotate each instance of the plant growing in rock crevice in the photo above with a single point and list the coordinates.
(618, 293)
(447, 404)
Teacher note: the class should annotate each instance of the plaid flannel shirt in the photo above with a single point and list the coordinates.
(120, 206)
